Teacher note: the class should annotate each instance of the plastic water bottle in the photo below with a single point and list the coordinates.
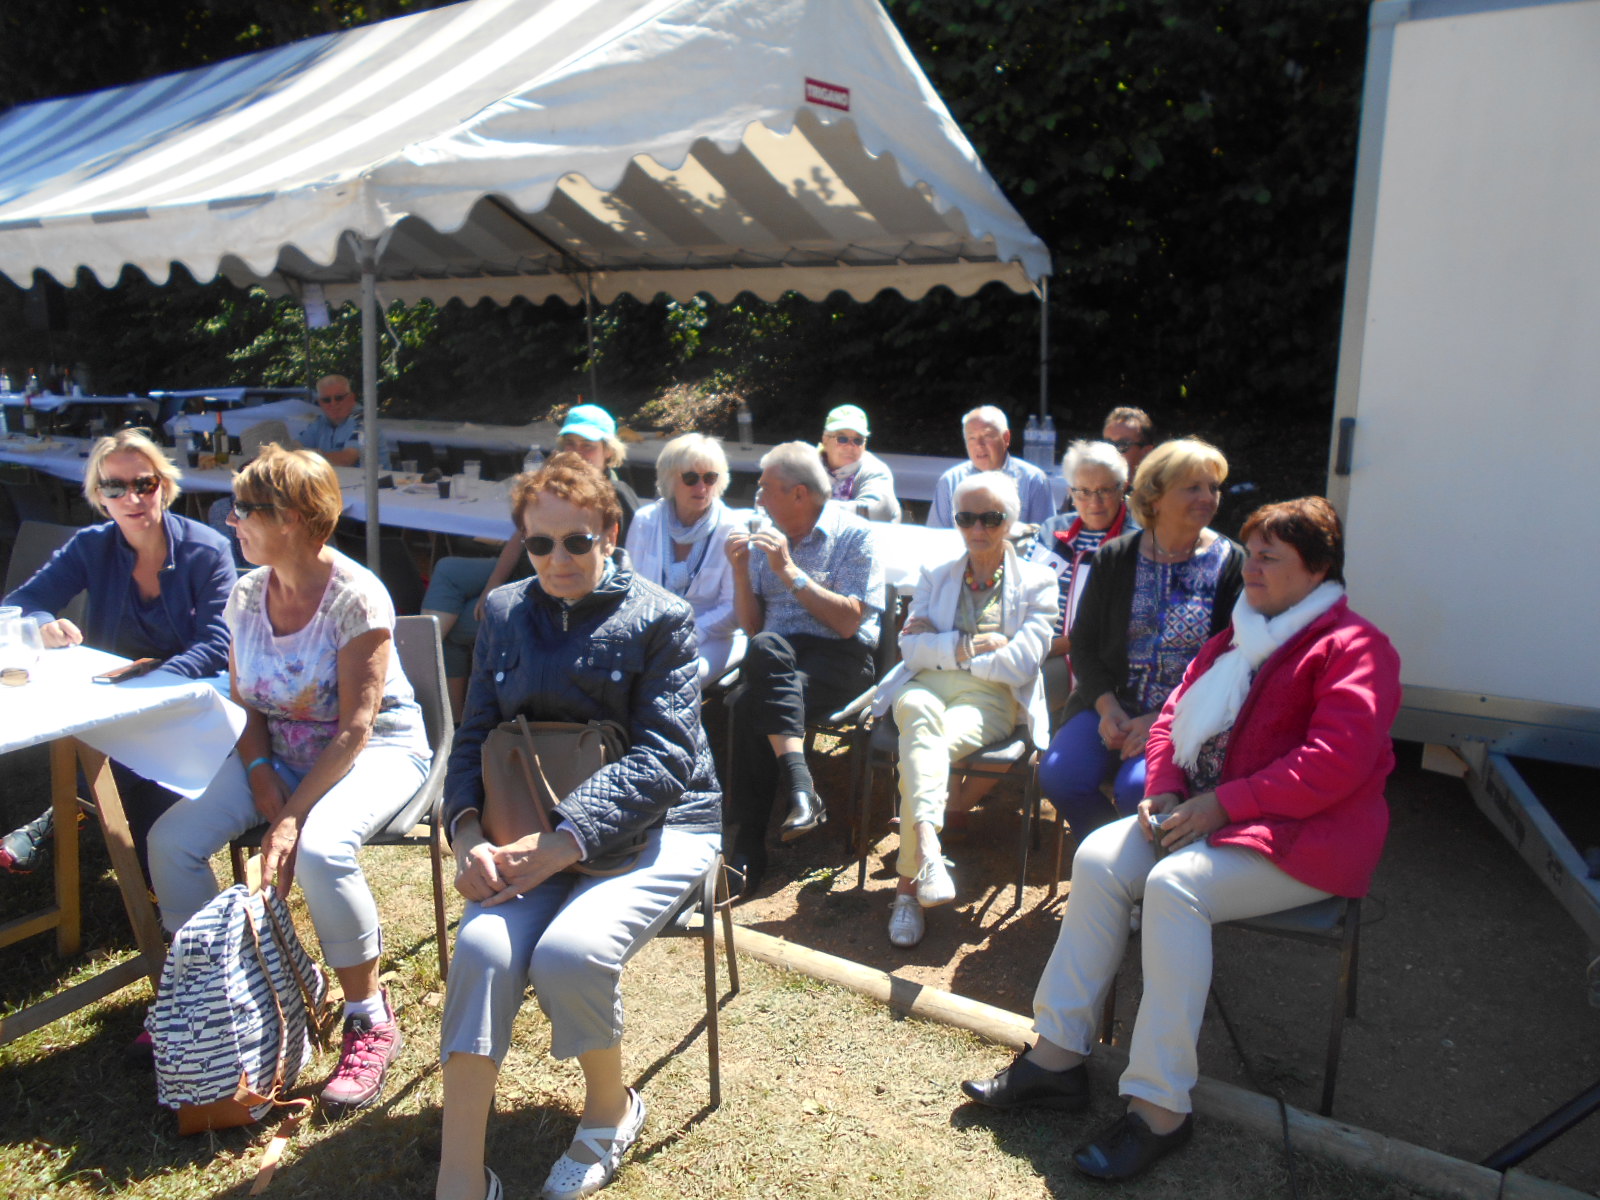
(1030, 440)
(5, 382)
(747, 430)
(1047, 444)
(532, 460)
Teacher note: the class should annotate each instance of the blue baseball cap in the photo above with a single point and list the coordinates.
(589, 421)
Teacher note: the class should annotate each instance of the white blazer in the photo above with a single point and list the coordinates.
(710, 591)
(1029, 600)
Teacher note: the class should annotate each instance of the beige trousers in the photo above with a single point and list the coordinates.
(942, 716)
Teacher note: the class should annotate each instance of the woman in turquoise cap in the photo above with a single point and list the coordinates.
(861, 479)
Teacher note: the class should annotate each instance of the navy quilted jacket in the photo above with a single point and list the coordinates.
(626, 653)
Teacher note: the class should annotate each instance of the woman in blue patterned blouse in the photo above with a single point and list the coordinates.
(1154, 596)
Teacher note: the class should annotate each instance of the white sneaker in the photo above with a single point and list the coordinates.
(572, 1180)
(906, 926)
(934, 885)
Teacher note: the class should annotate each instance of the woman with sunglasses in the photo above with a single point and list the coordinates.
(1097, 480)
(333, 744)
(1153, 598)
(970, 650)
(677, 542)
(860, 478)
(585, 639)
(459, 585)
(157, 584)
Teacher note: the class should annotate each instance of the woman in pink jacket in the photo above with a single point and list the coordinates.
(1265, 777)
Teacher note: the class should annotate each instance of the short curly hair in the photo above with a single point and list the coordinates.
(293, 481)
(569, 477)
(1310, 524)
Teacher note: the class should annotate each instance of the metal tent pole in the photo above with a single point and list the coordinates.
(588, 324)
(367, 250)
(1044, 347)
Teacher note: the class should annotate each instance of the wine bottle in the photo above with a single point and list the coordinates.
(219, 442)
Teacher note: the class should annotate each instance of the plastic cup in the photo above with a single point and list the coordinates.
(444, 488)
(408, 466)
(473, 469)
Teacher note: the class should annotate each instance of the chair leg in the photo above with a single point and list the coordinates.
(708, 943)
(441, 928)
(1108, 1013)
(1025, 839)
(1343, 1002)
(726, 904)
(1061, 847)
(238, 858)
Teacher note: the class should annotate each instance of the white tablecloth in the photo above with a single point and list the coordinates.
(174, 730)
(295, 414)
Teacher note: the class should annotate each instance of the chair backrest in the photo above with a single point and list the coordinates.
(418, 644)
(36, 542)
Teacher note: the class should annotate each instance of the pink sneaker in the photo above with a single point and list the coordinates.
(364, 1058)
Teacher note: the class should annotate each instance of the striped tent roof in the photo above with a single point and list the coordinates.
(502, 148)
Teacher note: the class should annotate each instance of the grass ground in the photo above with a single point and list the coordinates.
(826, 1094)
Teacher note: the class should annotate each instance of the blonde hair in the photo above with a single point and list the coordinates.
(678, 455)
(293, 481)
(140, 442)
(1170, 463)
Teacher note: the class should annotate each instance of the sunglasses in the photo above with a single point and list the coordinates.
(334, 399)
(989, 520)
(1123, 445)
(243, 509)
(846, 439)
(575, 544)
(142, 485)
(693, 478)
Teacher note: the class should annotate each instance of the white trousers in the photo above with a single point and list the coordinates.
(1184, 895)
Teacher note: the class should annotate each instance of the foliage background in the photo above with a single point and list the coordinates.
(1188, 164)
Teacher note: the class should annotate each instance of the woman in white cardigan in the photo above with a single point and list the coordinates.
(677, 542)
(971, 647)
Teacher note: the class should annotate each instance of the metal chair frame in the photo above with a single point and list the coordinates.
(418, 645)
(708, 898)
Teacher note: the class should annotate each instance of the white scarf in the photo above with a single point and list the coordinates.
(1211, 704)
(677, 576)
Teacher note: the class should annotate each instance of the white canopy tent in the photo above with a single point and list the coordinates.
(501, 148)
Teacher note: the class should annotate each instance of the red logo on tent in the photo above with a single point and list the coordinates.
(830, 95)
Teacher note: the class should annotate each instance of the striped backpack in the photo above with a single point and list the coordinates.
(231, 1024)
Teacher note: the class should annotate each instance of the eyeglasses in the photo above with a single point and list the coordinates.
(693, 478)
(575, 544)
(1094, 493)
(989, 520)
(846, 439)
(243, 509)
(1123, 445)
(140, 485)
(334, 399)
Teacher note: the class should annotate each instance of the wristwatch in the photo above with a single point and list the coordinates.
(800, 584)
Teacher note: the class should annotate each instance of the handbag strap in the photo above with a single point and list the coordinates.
(316, 1009)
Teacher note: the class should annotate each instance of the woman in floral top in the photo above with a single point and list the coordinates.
(1153, 598)
(333, 744)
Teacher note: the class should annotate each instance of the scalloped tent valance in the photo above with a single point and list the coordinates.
(536, 148)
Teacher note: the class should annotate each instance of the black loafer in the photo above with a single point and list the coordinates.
(1128, 1146)
(1024, 1083)
(806, 812)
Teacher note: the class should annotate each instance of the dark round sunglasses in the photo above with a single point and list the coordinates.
(990, 520)
(576, 544)
(693, 478)
(140, 485)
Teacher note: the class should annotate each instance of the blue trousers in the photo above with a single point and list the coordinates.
(1075, 766)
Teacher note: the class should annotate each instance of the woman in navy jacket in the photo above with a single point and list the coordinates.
(157, 585)
(586, 639)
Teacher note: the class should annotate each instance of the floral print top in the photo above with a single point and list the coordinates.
(294, 679)
(1171, 620)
